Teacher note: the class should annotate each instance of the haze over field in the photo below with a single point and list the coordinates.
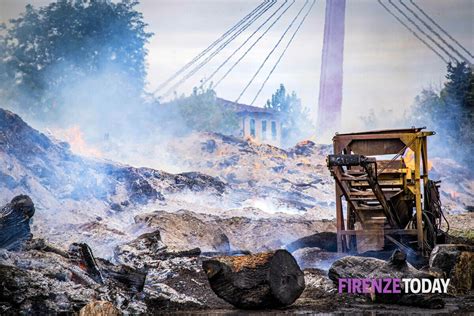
(385, 66)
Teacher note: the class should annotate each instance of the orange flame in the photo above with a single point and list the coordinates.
(453, 194)
(75, 138)
(409, 159)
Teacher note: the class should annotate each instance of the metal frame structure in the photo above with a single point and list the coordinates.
(394, 180)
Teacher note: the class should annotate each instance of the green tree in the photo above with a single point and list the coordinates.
(296, 124)
(201, 112)
(450, 113)
(458, 89)
(48, 48)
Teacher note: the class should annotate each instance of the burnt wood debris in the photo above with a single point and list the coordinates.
(58, 258)
(264, 280)
(15, 222)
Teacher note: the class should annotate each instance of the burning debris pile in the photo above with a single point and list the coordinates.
(74, 193)
(290, 181)
(139, 237)
(297, 177)
(236, 190)
(146, 277)
(246, 191)
(457, 185)
(42, 279)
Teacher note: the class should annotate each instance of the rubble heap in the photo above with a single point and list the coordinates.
(124, 239)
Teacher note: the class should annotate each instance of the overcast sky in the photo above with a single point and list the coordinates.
(385, 66)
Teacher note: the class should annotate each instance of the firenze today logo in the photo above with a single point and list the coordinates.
(393, 286)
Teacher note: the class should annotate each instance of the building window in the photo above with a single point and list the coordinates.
(264, 130)
(274, 130)
(252, 127)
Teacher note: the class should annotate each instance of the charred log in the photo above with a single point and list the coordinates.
(265, 280)
(103, 271)
(86, 260)
(15, 222)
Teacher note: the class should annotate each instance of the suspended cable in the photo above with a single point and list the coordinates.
(421, 31)
(282, 53)
(211, 46)
(248, 39)
(412, 31)
(442, 29)
(434, 32)
(252, 46)
(219, 49)
(271, 52)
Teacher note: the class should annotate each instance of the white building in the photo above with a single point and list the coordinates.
(260, 124)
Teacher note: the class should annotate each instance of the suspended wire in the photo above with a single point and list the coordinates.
(253, 45)
(211, 46)
(421, 31)
(283, 53)
(412, 31)
(219, 49)
(271, 52)
(248, 39)
(442, 29)
(434, 32)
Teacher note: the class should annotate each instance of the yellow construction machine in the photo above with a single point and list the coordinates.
(390, 199)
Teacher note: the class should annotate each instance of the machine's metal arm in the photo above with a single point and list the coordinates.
(366, 163)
